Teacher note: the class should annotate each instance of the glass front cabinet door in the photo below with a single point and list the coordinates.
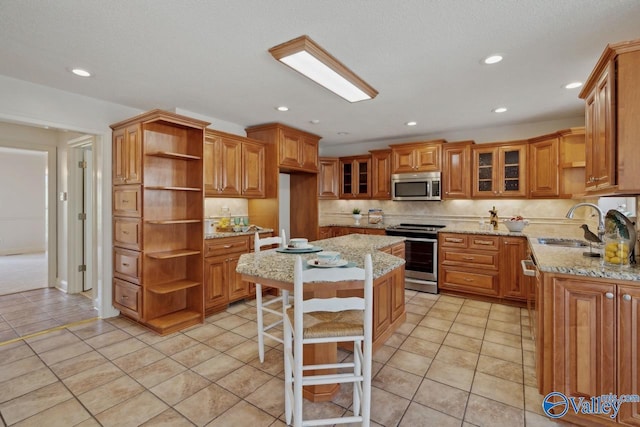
(499, 171)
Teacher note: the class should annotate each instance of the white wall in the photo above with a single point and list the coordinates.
(22, 201)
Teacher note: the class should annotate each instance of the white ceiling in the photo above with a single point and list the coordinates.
(423, 56)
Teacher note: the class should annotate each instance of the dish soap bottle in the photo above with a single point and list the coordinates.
(493, 219)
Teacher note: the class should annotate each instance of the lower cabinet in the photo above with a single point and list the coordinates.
(483, 265)
(216, 291)
(127, 298)
(589, 343)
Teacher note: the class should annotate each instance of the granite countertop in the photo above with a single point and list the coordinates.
(278, 266)
(378, 226)
(222, 234)
(558, 259)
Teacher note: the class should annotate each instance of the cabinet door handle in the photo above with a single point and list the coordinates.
(468, 258)
(452, 240)
(466, 279)
(609, 295)
(626, 297)
(227, 246)
(484, 242)
(125, 264)
(124, 297)
(125, 232)
(125, 201)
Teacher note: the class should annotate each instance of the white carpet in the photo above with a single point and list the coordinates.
(20, 273)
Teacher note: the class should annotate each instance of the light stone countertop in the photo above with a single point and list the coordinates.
(278, 266)
(223, 234)
(559, 259)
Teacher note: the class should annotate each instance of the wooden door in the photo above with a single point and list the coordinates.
(231, 155)
(289, 149)
(513, 171)
(134, 154)
(427, 158)
(348, 178)
(253, 169)
(328, 178)
(544, 168)
(238, 288)
(215, 287)
(485, 172)
(604, 142)
(212, 165)
(513, 283)
(362, 166)
(382, 294)
(591, 136)
(381, 174)
(584, 337)
(308, 154)
(397, 294)
(403, 159)
(456, 179)
(629, 352)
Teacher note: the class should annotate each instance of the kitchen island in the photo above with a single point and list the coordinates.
(272, 268)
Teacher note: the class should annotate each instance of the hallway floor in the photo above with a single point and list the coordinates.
(455, 362)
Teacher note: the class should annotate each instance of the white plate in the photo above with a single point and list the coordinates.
(301, 248)
(340, 263)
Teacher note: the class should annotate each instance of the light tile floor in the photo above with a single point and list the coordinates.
(455, 362)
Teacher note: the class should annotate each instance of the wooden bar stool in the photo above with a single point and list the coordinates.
(264, 307)
(327, 320)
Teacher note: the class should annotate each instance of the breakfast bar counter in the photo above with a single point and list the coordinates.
(275, 269)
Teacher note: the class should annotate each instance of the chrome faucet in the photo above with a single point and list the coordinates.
(600, 216)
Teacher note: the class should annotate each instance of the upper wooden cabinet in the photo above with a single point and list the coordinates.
(328, 178)
(557, 164)
(456, 176)
(127, 155)
(416, 156)
(499, 170)
(355, 173)
(296, 150)
(612, 107)
(233, 166)
(381, 174)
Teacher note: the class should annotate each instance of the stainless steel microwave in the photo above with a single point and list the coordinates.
(416, 186)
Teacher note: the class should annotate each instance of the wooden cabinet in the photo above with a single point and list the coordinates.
(499, 170)
(513, 283)
(355, 173)
(612, 105)
(328, 178)
(158, 255)
(543, 163)
(469, 263)
(296, 150)
(572, 162)
(456, 176)
(127, 155)
(588, 342)
(416, 157)
(381, 174)
(325, 233)
(233, 166)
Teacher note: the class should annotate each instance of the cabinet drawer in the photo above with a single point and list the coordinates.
(449, 240)
(464, 281)
(226, 246)
(480, 260)
(127, 265)
(479, 241)
(127, 200)
(127, 233)
(127, 297)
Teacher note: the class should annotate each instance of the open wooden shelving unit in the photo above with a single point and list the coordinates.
(169, 161)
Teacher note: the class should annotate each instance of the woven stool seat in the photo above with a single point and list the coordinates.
(323, 324)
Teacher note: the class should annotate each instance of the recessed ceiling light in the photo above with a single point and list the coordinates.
(282, 108)
(314, 121)
(411, 123)
(573, 85)
(343, 133)
(80, 72)
(499, 110)
(493, 59)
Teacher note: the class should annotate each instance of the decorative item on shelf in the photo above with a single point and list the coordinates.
(493, 219)
(376, 216)
(619, 226)
(590, 237)
(357, 216)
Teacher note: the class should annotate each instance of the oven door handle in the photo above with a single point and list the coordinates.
(416, 239)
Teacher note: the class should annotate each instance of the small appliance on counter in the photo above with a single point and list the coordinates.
(376, 216)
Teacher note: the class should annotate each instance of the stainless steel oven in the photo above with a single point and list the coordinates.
(421, 255)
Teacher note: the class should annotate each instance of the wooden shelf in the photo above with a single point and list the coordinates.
(162, 187)
(568, 165)
(171, 320)
(172, 221)
(177, 285)
(175, 156)
(173, 254)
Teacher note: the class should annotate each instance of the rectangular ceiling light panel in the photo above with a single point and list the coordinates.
(306, 57)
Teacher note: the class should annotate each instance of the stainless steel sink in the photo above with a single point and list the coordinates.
(569, 243)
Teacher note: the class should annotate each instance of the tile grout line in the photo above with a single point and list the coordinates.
(46, 331)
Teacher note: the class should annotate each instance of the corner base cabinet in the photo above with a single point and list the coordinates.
(157, 220)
